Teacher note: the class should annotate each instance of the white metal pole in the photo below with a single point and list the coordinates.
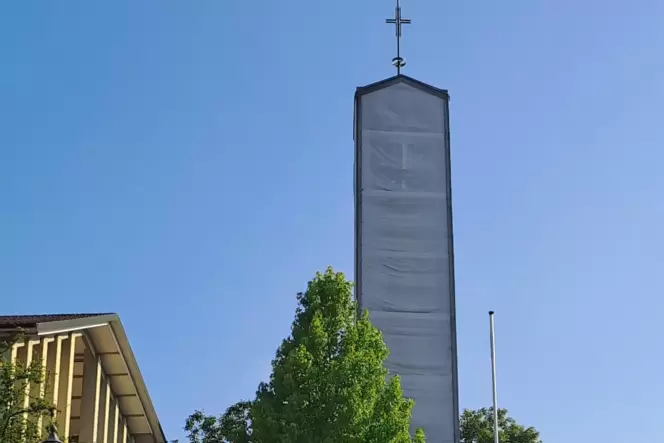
(493, 377)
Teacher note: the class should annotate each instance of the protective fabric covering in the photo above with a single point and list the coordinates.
(404, 246)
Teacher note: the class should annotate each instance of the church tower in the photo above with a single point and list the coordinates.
(404, 252)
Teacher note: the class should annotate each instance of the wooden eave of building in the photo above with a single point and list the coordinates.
(108, 340)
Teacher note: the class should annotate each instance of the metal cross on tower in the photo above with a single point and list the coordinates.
(397, 21)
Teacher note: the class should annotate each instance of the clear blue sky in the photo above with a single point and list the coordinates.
(189, 166)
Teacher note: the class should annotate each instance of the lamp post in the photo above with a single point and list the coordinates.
(52, 436)
(492, 335)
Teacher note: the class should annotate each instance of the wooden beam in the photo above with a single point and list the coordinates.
(107, 407)
(67, 380)
(90, 407)
(57, 360)
(15, 348)
(42, 386)
(28, 361)
(116, 421)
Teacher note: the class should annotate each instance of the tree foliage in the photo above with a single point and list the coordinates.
(18, 423)
(477, 427)
(328, 382)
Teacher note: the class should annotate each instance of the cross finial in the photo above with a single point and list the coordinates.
(397, 21)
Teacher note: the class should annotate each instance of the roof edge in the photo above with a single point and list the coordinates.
(55, 327)
(400, 78)
(122, 341)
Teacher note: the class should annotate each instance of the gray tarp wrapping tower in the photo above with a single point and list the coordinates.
(404, 255)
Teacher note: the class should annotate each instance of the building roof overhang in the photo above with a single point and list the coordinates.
(109, 342)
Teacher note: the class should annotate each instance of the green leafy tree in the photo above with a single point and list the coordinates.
(328, 382)
(477, 427)
(18, 423)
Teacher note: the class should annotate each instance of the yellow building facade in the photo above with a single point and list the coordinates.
(92, 376)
